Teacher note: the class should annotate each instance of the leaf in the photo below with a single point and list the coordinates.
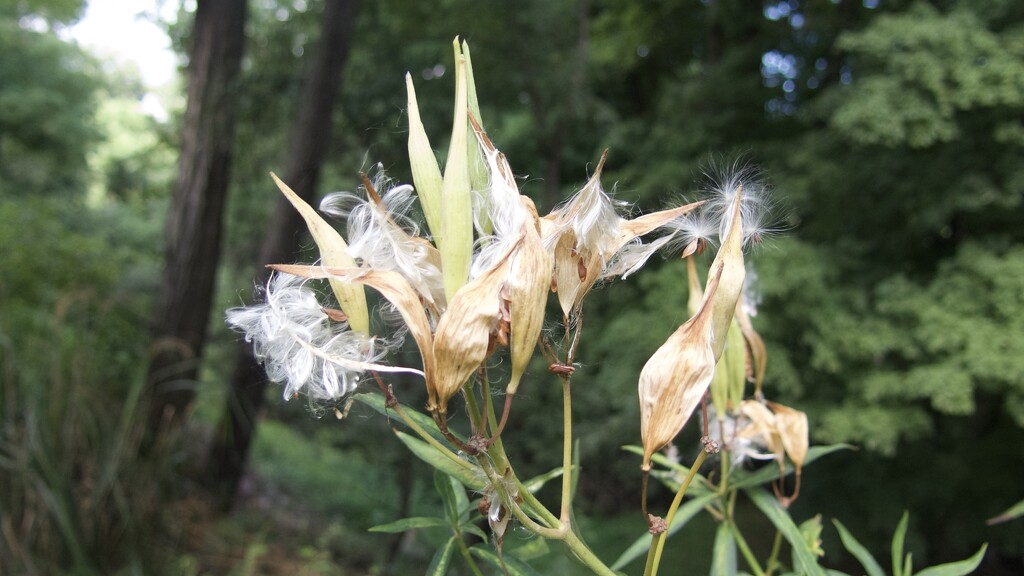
(375, 400)
(959, 568)
(537, 482)
(1011, 513)
(803, 556)
(723, 557)
(853, 546)
(697, 488)
(412, 523)
(442, 558)
(443, 485)
(684, 514)
(769, 473)
(898, 538)
(470, 476)
(515, 566)
(533, 548)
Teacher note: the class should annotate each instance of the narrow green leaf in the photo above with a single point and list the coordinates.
(461, 499)
(674, 478)
(959, 568)
(470, 528)
(533, 548)
(803, 556)
(853, 546)
(723, 557)
(1011, 513)
(537, 482)
(442, 558)
(443, 485)
(769, 473)
(410, 524)
(898, 538)
(685, 513)
(375, 400)
(472, 478)
(516, 567)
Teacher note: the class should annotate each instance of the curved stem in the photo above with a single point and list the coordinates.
(741, 543)
(428, 438)
(675, 507)
(585, 555)
(469, 557)
(773, 558)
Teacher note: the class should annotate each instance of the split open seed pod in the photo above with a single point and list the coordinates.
(463, 333)
(730, 259)
(528, 282)
(676, 377)
(793, 431)
(333, 253)
(762, 427)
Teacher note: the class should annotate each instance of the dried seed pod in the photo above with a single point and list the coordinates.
(462, 335)
(730, 260)
(793, 431)
(528, 282)
(676, 377)
(762, 427)
(333, 252)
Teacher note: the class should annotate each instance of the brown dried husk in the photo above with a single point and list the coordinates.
(793, 430)
(528, 283)
(675, 379)
(730, 260)
(463, 333)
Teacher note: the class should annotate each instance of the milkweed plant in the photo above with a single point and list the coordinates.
(476, 284)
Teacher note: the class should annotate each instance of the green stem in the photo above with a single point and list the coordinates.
(672, 511)
(744, 549)
(566, 451)
(585, 555)
(469, 557)
(773, 558)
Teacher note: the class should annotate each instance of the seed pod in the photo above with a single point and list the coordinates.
(762, 427)
(676, 377)
(463, 333)
(730, 374)
(426, 174)
(528, 282)
(730, 260)
(793, 431)
(333, 252)
(456, 204)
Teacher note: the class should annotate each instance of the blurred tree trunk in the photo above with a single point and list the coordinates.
(310, 141)
(195, 217)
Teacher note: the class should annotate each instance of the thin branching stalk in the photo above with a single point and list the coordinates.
(741, 543)
(656, 550)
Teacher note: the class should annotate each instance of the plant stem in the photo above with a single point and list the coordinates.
(672, 511)
(744, 548)
(585, 555)
(469, 557)
(566, 451)
(428, 438)
(773, 558)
